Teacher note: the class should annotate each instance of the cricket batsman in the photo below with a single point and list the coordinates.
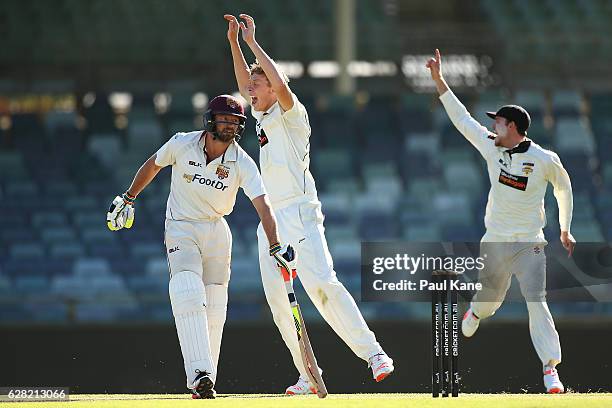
(284, 158)
(519, 172)
(208, 166)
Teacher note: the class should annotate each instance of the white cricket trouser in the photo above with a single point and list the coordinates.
(199, 254)
(526, 260)
(301, 225)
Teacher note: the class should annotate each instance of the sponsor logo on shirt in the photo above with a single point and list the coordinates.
(510, 180)
(216, 184)
(171, 250)
(527, 168)
(263, 139)
(192, 163)
(222, 171)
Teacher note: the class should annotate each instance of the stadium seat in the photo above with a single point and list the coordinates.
(574, 135)
(345, 249)
(91, 267)
(106, 147)
(27, 251)
(67, 250)
(50, 235)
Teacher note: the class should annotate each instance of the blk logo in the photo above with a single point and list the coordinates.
(171, 250)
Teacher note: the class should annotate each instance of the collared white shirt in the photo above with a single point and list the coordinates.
(518, 177)
(200, 191)
(284, 154)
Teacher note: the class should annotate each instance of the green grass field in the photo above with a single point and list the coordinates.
(337, 400)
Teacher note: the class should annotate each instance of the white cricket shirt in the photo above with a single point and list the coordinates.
(200, 191)
(518, 176)
(284, 154)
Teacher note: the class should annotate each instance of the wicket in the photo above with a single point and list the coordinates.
(444, 336)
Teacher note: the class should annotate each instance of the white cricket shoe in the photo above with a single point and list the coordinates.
(382, 366)
(302, 387)
(552, 382)
(470, 323)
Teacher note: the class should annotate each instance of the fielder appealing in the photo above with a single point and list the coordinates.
(519, 172)
(207, 168)
(284, 133)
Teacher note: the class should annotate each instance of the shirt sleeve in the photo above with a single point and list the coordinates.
(166, 155)
(558, 177)
(469, 127)
(297, 116)
(250, 179)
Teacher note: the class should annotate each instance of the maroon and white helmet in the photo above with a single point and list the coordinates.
(224, 105)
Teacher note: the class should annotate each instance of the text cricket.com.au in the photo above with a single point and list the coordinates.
(425, 265)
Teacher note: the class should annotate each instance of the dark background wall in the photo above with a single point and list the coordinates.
(146, 359)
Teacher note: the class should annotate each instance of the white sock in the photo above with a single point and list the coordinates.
(188, 299)
(216, 312)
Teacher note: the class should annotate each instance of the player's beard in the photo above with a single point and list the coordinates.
(226, 136)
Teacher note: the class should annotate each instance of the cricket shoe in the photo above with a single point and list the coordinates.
(470, 323)
(552, 382)
(301, 387)
(203, 386)
(382, 366)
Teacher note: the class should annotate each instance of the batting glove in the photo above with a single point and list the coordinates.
(284, 255)
(121, 212)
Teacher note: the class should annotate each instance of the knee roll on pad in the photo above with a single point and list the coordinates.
(216, 296)
(187, 293)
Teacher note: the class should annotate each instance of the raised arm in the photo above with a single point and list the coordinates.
(241, 68)
(277, 82)
(469, 127)
(435, 67)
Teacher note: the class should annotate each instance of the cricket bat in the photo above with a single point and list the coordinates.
(308, 357)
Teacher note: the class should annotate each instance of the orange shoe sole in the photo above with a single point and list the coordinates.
(382, 376)
(312, 390)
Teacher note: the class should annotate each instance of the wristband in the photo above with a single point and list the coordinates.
(274, 248)
(129, 199)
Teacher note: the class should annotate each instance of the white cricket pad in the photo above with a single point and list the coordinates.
(216, 312)
(188, 299)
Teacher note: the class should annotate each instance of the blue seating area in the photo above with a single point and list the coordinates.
(388, 168)
(581, 28)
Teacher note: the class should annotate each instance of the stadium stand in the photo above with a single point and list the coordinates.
(388, 165)
(423, 174)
